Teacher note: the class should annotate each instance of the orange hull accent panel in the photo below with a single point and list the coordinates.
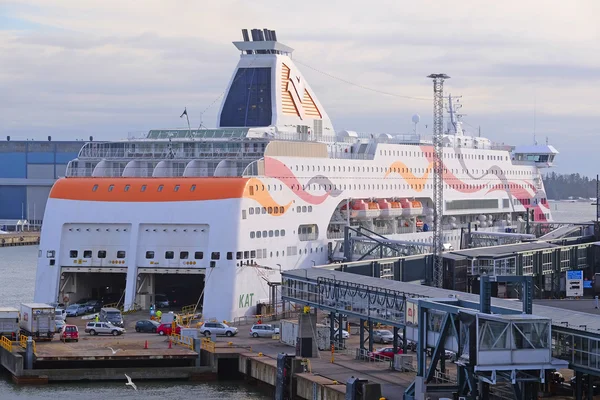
(206, 189)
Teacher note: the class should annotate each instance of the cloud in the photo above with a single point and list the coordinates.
(108, 67)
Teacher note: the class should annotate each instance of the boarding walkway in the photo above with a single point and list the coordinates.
(575, 336)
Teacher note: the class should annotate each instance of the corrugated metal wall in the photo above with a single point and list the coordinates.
(13, 165)
(31, 160)
(12, 198)
(40, 171)
(36, 202)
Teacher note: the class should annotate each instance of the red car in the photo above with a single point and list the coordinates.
(383, 353)
(166, 329)
(68, 333)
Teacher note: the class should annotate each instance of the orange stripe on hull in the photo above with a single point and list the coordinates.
(205, 189)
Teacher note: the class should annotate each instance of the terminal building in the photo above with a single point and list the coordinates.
(28, 169)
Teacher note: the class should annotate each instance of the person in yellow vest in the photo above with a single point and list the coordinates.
(97, 319)
(158, 314)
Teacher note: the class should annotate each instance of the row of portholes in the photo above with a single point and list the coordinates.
(417, 186)
(265, 210)
(263, 253)
(398, 153)
(264, 234)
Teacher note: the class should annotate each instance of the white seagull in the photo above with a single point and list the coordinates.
(114, 351)
(129, 382)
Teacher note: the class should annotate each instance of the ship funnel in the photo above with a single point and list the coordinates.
(267, 89)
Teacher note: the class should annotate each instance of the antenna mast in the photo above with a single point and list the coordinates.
(438, 177)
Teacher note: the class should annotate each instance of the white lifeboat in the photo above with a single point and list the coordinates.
(411, 208)
(389, 209)
(362, 209)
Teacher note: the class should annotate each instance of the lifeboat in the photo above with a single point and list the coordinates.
(411, 208)
(362, 209)
(389, 209)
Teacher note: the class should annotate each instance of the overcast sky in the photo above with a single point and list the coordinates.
(71, 69)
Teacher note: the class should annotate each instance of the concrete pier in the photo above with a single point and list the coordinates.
(19, 239)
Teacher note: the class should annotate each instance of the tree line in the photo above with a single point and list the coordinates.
(563, 186)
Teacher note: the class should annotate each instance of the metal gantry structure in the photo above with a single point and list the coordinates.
(438, 176)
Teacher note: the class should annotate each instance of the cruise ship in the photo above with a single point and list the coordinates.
(220, 212)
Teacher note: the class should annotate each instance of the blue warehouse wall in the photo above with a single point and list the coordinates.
(12, 199)
(13, 165)
(64, 158)
(40, 158)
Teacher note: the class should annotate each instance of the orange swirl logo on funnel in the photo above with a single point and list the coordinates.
(255, 190)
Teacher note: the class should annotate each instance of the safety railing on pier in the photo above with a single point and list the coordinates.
(253, 319)
(365, 355)
(5, 343)
(22, 339)
(185, 341)
(208, 345)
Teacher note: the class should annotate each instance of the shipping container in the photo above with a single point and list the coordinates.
(9, 322)
(288, 334)
(37, 320)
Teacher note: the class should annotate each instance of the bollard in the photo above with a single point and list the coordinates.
(197, 348)
(146, 345)
(170, 342)
(29, 353)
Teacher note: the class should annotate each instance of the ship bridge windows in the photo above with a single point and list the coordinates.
(198, 255)
(121, 254)
(215, 255)
(149, 255)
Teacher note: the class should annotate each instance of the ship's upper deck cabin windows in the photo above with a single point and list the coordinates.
(542, 156)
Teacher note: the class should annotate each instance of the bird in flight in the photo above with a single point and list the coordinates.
(129, 382)
(114, 351)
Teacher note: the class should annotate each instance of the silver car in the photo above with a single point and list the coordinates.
(263, 330)
(96, 328)
(383, 336)
(218, 328)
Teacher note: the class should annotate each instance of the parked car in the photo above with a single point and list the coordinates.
(448, 355)
(161, 301)
(69, 333)
(75, 310)
(345, 334)
(383, 336)
(60, 324)
(98, 328)
(93, 306)
(146, 325)
(60, 313)
(112, 315)
(167, 329)
(384, 352)
(263, 330)
(218, 328)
